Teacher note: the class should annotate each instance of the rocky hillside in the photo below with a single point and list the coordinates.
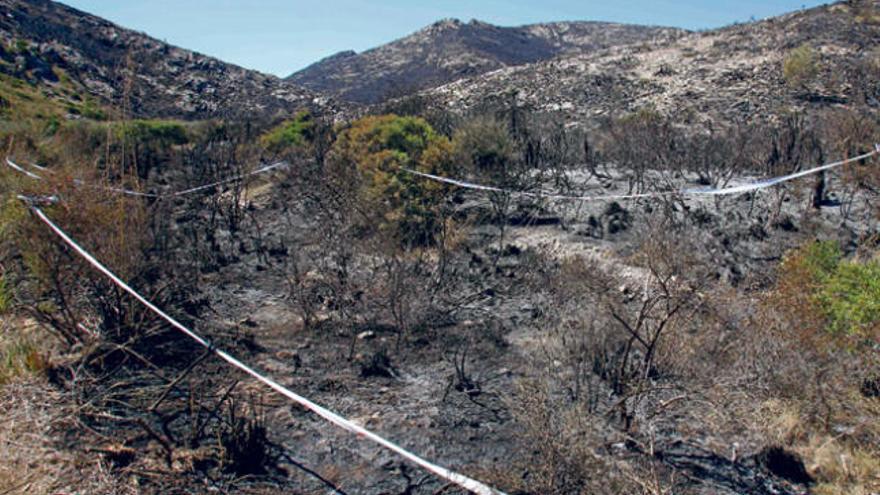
(450, 50)
(72, 54)
(734, 73)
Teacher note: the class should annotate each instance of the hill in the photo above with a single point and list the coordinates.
(450, 50)
(735, 72)
(72, 55)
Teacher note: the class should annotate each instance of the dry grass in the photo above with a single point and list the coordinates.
(33, 416)
(842, 468)
(34, 463)
(780, 422)
(844, 460)
(21, 351)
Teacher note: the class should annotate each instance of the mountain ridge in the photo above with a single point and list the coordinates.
(450, 49)
(734, 72)
(130, 69)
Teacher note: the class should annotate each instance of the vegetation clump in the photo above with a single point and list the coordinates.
(485, 146)
(5, 295)
(166, 132)
(379, 151)
(290, 134)
(845, 292)
(800, 67)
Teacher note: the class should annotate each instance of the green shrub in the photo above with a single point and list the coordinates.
(5, 295)
(485, 146)
(159, 131)
(53, 123)
(378, 149)
(290, 134)
(19, 355)
(845, 293)
(90, 110)
(850, 297)
(800, 66)
(821, 259)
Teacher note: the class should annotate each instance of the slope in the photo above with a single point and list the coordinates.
(733, 73)
(74, 55)
(450, 49)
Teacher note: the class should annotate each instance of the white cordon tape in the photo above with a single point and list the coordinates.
(78, 182)
(15, 167)
(525, 194)
(258, 171)
(129, 192)
(702, 191)
(459, 479)
(37, 200)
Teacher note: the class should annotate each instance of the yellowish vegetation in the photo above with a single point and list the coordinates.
(827, 418)
(800, 67)
(374, 151)
(20, 352)
(865, 11)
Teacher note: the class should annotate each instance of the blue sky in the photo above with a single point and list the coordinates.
(281, 36)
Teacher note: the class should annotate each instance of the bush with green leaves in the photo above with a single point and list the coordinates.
(851, 297)
(5, 295)
(844, 292)
(290, 134)
(164, 132)
(377, 150)
(485, 146)
(800, 67)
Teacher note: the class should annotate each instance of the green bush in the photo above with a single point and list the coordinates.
(53, 123)
(378, 149)
(845, 292)
(159, 131)
(850, 297)
(5, 295)
(821, 259)
(800, 66)
(290, 134)
(485, 146)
